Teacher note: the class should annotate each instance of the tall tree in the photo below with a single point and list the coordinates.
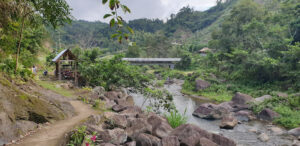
(54, 12)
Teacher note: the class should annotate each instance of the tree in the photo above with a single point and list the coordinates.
(54, 12)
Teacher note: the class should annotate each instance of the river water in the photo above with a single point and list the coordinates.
(240, 134)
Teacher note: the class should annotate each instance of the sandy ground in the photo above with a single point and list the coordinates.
(51, 135)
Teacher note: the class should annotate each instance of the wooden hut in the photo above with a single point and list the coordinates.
(204, 51)
(66, 66)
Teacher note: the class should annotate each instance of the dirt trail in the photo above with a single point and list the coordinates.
(52, 134)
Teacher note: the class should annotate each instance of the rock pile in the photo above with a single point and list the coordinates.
(238, 109)
(128, 125)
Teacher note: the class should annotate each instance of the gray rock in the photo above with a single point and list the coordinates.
(132, 111)
(244, 115)
(262, 98)
(263, 137)
(120, 120)
(222, 141)
(241, 99)
(281, 94)
(118, 108)
(209, 111)
(160, 126)
(170, 141)
(119, 136)
(276, 130)
(99, 91)
(201, 84)
(188, 133)
(144, 139)
(295, 132)
(268, 115)
(137, 126)
(228, 122)
(111, 95)
(206, 142)
(107, 144)
(132, 143)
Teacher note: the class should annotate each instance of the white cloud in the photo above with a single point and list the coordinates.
(93, 10)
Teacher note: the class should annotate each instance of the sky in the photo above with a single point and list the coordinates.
(93, 10)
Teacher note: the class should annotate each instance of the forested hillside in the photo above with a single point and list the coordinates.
(180, 27)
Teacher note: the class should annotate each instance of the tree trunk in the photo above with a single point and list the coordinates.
(19, 43)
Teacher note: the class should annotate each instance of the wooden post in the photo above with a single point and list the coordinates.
(76, 79)
(59, 70)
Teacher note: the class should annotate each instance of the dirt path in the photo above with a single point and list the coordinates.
(52, 134)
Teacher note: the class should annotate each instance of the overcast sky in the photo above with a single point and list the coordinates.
(93, 10)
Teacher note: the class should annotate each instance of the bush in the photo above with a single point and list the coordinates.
(112, 72)
(78, 136)
(175, 119)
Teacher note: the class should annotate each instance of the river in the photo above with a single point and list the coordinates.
(241, 134)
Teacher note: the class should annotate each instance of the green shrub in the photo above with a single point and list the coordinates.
(112, 72)
(288, 108)
(175, 119)
(78, 136)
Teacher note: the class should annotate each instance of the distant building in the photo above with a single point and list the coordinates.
(204, 51)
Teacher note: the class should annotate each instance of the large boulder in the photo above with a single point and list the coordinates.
(98, 91)
(206, 142)
(94, 119)
(112, 95)
(118, 136)
(120, 121)
(144, 139)
(160, 126)
(137, 126)
(118, 108)
(201, 84)
(132, 143)
(189, 134)
(162, 130)
(295, 132)
(244, 115)
(222, 141)
(132, 111)
(241, 99)
(209, 111)
(267, 115)
(228, 122)
(170, 141)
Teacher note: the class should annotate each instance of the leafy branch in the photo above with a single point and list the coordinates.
(116, 20)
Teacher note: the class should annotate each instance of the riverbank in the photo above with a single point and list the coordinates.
(245, 133)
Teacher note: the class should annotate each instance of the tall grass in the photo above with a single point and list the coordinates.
(175, 119)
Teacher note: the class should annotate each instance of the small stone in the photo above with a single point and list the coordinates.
(276, 130)
(254, 130)
(263, 137)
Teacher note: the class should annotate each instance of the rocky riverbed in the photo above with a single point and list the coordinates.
(129, 125)
(253, 132)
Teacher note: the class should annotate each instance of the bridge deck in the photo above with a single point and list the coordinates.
(152, 60)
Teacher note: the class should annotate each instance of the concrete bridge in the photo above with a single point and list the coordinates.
(153, 61)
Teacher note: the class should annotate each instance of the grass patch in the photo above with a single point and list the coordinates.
(288, 108)
(52, 86)
(175, 119)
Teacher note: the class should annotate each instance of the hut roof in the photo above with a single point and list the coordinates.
(205, 50)
(64, 53)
